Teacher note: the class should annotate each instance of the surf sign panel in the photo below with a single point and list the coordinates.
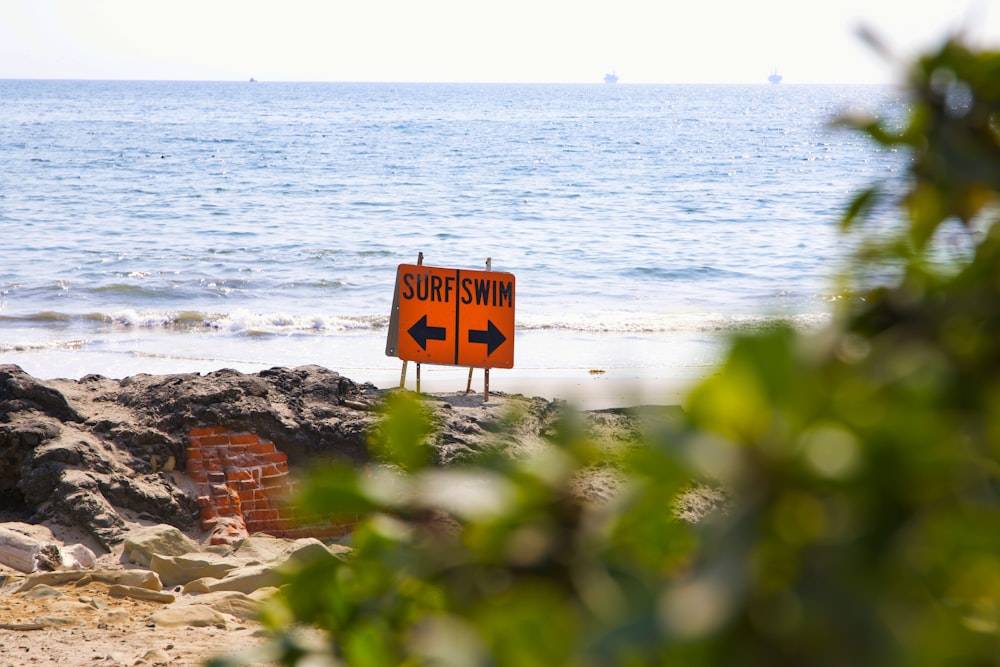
(452, 317)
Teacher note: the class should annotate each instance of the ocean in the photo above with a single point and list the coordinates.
(162, 227)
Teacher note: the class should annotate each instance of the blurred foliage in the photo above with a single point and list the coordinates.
(860, 463)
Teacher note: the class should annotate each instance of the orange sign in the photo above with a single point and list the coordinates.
(453, 317)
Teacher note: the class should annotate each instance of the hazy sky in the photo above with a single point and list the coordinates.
(663, 41)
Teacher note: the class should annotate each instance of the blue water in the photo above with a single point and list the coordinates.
(179, 226)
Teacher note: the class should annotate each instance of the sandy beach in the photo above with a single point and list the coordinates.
(587, 389)
(83, 623)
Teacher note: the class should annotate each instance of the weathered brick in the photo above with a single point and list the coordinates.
(258, 516)
(238, 474)
(244, 461)
(271, 470)
(244, 480)
(285, 523)
(244, 485)
(215, 440)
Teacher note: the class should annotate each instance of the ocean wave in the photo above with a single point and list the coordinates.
(245, 321)
(250, 323)
(76, 344)
(680, 274)
(684, 323)
(238, 321)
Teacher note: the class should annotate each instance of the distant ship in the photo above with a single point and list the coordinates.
(611, 77)
(775, 77)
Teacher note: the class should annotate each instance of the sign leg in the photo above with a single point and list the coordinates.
(486, 385)
(402, 377)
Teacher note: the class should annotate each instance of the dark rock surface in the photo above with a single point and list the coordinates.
(83, 452)
(92, 453)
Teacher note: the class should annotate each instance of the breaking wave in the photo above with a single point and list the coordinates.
(247, 322)
(235, 322)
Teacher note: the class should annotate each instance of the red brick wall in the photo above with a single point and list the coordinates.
(243, 482)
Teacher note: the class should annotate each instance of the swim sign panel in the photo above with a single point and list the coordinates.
(453, 317)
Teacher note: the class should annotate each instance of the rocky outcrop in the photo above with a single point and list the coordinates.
(101, 454)
(95, 452)
(211, 452)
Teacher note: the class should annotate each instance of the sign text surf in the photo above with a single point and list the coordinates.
(457, 317)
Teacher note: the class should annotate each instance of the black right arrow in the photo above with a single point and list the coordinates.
(493, 337)
(423, 333)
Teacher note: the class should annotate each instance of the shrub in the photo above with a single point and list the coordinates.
(860, 466)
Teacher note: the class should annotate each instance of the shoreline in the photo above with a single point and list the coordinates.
(595, 371)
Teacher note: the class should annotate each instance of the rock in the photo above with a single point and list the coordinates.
(86, 453)
(263, 593)
(300, 409)
(18, 550)
(22, 627)
(162, 540)
(19, 391)
(155, 656)
(114, 616)
(101, 454)
(228, 530)
(176, 570)
(78, 557)
(250, 578)
(244, 580)
(23, 551)
(193, 615)
(119, 591)
(48, 558)
(49, 579)
(133, 578)
(261, 548)
(53, 621)
(70, 607)
(42, 591)
(232, 603)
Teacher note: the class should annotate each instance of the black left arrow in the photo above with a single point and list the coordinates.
(423, 333)
(493, 337)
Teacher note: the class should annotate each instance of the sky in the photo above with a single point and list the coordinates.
(571, 41)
